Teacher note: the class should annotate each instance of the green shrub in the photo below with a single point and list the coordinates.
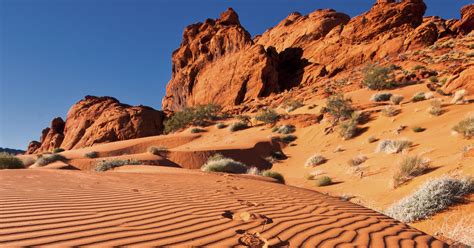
(465, 127)
(418, 97)
(58, 150)
(410, 167)
(288, 138)
(273, 174)
(433, 79)
(339, 108)
(418, 67)
(315, 160)
(197, 130)
(92, 154)
(291, 105)
(396, 99)
(267, 116)
(393, 146)
(197, 116)
(158, 150)
(377, 78)
(323, 181)
(226, 165)
(237, 126)
(221, 125)
(46, 159)
(418, 129)
(381, 97)
(8, 161)
(431, 198)
(110, 164)
(285, 129)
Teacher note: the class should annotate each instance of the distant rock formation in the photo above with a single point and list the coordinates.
(11, 151)
(95, 120)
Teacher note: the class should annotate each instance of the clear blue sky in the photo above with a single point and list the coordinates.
(54, 52)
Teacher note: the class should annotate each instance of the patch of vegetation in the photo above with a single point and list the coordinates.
(381, 97)
(273, 174)
(284, 129)
(339, 108)
(410, 167)
(46, 159)
(237, 126)
(197, 130)
(58, 150)
(465, 127)
(372, 139)
(288, 138)
(396, 99)
(348, 128)
(436, 108)
(389, 111)
(418, 129)
(197, 116)
(223, 164)
(221, 125)
(106, 165)
(419, 67)
(393, 146)
(278, 156)
(92, 154)
(158, 150)
(377, 78)
(433, 79)
(8, 161)
(267, 116)
(244, 119)
(315, 160)
(418, 97)
(253, 171)
(357, 160)
(291, 105)
(431, 198)
(323, 181)
(458, 97)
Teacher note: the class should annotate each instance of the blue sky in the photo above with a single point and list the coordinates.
(54, 52)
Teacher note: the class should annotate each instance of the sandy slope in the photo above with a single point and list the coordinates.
(71, 208)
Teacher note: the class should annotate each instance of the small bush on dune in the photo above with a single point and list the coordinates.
(381, 97)
(46, 159)
(244, 119)
(418, 129)
(339, 108)
(465, 127)
(285, 129)
(431, 198)
(418, 97)
(273, 174)
(158, 150)
(253, 171)
(396, 99)
(389, 111)
(92, 154)
(268, 116)
(358, 160)
(237, 126)
(348, 129)
(226, 165)
(221, 125)
(8, 161)
(408, 168)
(315, 160)
(459, 97)
(292, 105)
(323, 181)
(393, 146)
(436, 108)
(110, 164)
(197, 130)
(372, 139)
(377, 78)
(288, 138)
(198, 115)
(58, 150)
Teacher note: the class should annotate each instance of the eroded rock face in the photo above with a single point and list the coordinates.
(33, 146)
(467, 19)
(95, 120)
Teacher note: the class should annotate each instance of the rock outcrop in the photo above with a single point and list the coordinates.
(218, 62)
(95, 120)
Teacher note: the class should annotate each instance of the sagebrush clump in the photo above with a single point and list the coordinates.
(323, 181)
(197, 116)
(158, 150)
(8, 161)
(389, 111)
(237, 126)
(46, 159)
(221, 125)
(92, 154)
(393, 146)
(396, 99)
(357, 160)
(315, 160)
(408, 168)
(431, 198)
(339, 108)
(267, 116)
(291, 105)
(381, 97)
(197, 130)
(223, 164)
(58, 150)
(288, 138)
(106, 165)
(378, 78)
(465, 127)
(284, 129)
(436, 107)
(273, 174)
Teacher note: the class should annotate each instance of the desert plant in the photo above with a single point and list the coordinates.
(372, 139)
(198, 115)
(431, 198)
(377, 78)
(433, 79)
(418, 97)
(288, 138)
(284, 129)
(291, 105)
(396, 99)
(418, 129)
(436, 108)
(389, 111)
(253, 171)
(278, 155)
(197, 130)
(273, 174)
(158, 150)
(460, 231)
(459, 96)
(221, 125)
(315, 160)
(348, 129)
(58, 150)
(381, 97)
(267, 116)
(106, 165)
(323, 181)
(418, 67)
(465, 127)
(216, 157)
(357, 160)
(226, 165)
(92, 154)
(339, 108)
(244, 119)
(8, 161)
(46, 159)
(408, 168)
(393, 146)
(237, 126)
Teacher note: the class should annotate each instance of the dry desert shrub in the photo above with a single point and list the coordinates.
(357, 160)
(381, 97)
(389, 111)
(8, 161)
(458, 97)
(237, 126)
(436, 107)
(253, 171)
(267, 116)
(378, 78)
(408, 168)
(110, 164)
(288, 138)
(223, 164)
(273, 174)
(431, 198)
(46, 159)
(323, 181)
(284, 129)
(461, 231)
(396, 99)
(58, 150)
(92, 154)
(198, 115)
(465, 127)
(221, 125)
(315, 160)
(291, 105)
(393, 146)
(158, 150)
